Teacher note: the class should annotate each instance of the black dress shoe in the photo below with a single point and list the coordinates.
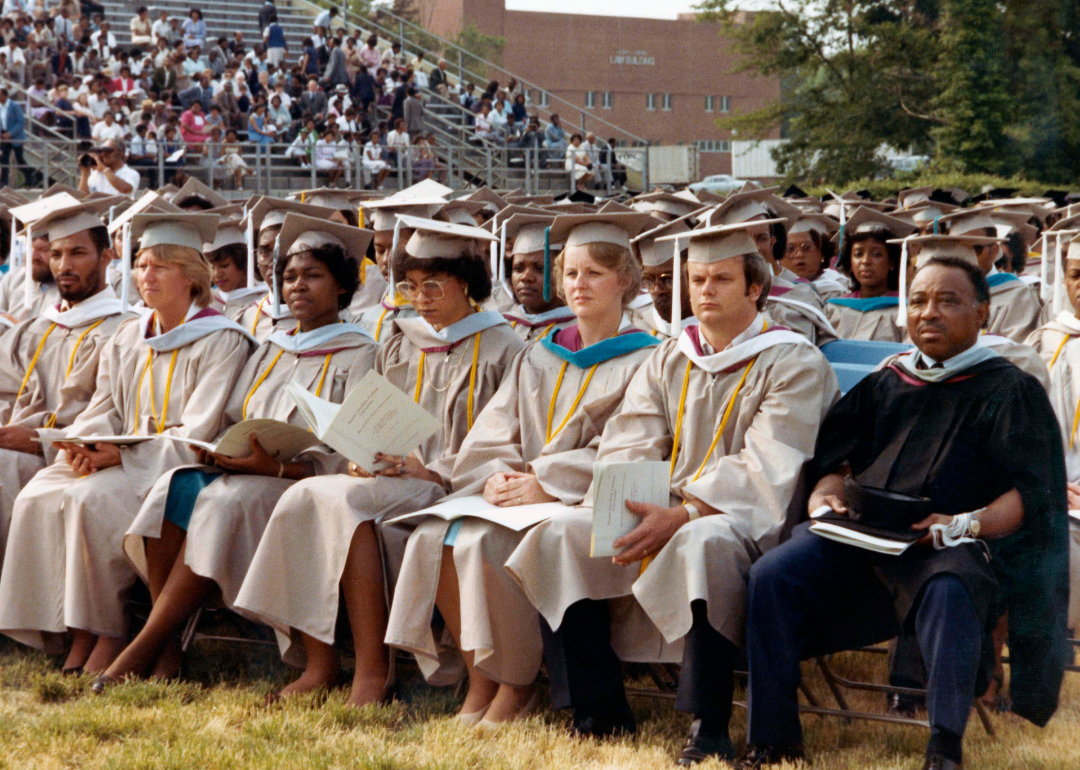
(702, 744)
(756, 757)
(101, 684)
(603, 723)
(939, 762)
(906, 706)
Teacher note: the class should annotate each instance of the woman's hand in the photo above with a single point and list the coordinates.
(513, 488)
(925, 524)
(358, 472)
(258, 463)
(84, 460)
(407, 467)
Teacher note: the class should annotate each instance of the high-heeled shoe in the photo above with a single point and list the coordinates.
(102, 683)
(529, 708)
(472, 718)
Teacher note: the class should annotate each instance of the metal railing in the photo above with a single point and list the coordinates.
(279, 168)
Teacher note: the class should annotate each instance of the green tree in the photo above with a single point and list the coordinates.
(856, 74)
(481, 47)
(973, 105)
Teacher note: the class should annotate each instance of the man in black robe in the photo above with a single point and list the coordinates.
(958, 424)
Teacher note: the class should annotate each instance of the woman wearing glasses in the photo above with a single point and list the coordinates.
(809, 251)
(873, 267)
(168, 373)
(534, 443)
(200, 526)
(451, 360)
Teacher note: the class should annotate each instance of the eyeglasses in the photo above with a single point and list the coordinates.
(663, 282)
(805, 248)
(432, 289)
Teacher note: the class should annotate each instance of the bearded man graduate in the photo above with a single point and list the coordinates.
(954, 422)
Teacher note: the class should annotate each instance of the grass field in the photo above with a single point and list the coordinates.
(215, 719)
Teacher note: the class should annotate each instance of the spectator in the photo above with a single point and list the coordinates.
(142, 30)
(62, 28)
(518, 108)
(401, 92)
(485, 128)
(363, 90)
(414, 113)
(274, 41)
(67, 119)
(498, 119)
(577, 162)
(593, 148)
(124, 85)
(303, 146)
(467, 98)
(370, 58)
(309, 58)
(532, 138)
(438, 80)
(555, 138)
(236, 45)
(193, 125)
(314, 100)
(420, 78)
(201, 92)
(230, 108)
(279, 90)
(214, 119)
(336, 74)
(84, 116)
(142, 153)
(194, 30)
(490, 92)
(268, 9)
(260, 129)
(12, 136)
(110, 175)
(323, 21)
(392, 58)
(104, 38)
(15, 55)
(160, 29)
(372, 159)
(397, 141)
(40, 106)
(326, 149)
(107, 128)
(232, 161)
(166, 76)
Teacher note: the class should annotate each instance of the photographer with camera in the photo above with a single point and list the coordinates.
(104, 169)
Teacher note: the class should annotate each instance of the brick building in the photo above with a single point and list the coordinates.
(663, 80)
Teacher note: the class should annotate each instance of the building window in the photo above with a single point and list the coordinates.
(665, 102)
(725, 104)
(590, 99)
(650, 101)
(713, 145)
(543, 99)
(710, 104)
(607, 101)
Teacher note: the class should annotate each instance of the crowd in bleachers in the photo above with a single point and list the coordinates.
(315, 101)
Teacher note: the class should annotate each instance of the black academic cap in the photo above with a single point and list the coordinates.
(1059, 197)
(864, 194)
(794, 191)
(951, 195)
(577, 196)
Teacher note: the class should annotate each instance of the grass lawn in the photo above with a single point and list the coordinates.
(215, 719)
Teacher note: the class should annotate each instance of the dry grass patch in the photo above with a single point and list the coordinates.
(215, 720)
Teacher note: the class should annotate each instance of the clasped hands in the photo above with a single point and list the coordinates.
(258, 463)
(398, 466)
(512, 488)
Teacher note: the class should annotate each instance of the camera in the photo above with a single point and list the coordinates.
(87, 160)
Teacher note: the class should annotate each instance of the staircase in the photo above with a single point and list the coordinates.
(46, 150)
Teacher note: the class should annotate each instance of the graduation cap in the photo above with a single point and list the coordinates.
(752, 186)
(300, 233)
(613, 207)
(866, 220)
(568, 207)
(539, 200)
(653, 253)
(271, 212)
(952, 195)
(492, 202)
(529, 233)
(706, 246)
(191, 230)
(969, 221)
(815, 223)
(228, 234)
(35, 210)
(460, 211)
(994, 193)
(912, 196)
(233, 211)
(578, 196)
(583, 229)
(67, 221)
(746, 206)
(925, 213)
(168, 191)
(194, 189)
(149, 203)
(332, 197)
(13, 197)
(930, 246)
(384, 211)
(425, 189)
(794, 191)
(664, 203)
(708, 196)
(1071, 236)
(63, 188)
(432, 239)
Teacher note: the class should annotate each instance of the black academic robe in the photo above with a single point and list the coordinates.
(962, 443)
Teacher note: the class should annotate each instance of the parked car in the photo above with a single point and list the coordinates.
(718, 183)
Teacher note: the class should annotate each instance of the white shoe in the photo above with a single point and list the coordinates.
(472, 718)
(487, 725)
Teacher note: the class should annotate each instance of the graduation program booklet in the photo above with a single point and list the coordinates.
(375, 417)
(613, 485)
(516, 517)
(127, 440)
(281, 441)
(842, 529)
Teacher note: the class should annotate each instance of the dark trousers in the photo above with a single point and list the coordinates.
(586, 673)
(6, 149)
(812, 596)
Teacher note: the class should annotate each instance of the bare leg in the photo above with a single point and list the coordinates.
(365, 600)
(82, 644)
(105, 651)
(448, 599)
(161, 554)
(322, 668)
(156, 645)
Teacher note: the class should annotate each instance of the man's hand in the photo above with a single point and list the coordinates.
(925, 524)
(513, 488)
(84, 460)
(828, 491)
(658, 525)
(20, 439)
(1072, 491)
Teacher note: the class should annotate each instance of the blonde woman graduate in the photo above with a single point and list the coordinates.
(200, 525)
(169, 372)
(450, 359)
(535, 442)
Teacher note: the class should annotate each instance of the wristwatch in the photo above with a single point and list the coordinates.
(973, 522)
(692, 511)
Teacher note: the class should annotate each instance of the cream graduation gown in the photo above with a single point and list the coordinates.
(13, 296)
(778, 388)
(65, 565)
(231, 513)
(531, 327)
(1050, 339)
(463, 366)
(1014, 307)
(555, 387)
(368, 295)
(48, 372)
(873, 318)
(795, 305)
(379, 319)
(258, 320)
